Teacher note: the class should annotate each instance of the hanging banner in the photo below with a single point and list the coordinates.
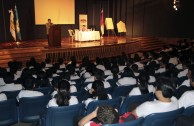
(83, 21)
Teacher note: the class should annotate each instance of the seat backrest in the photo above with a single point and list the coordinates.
(44, 90)
(188, 111)
(131, 102)
(9, 113)
(121, 91)
(113, 102)
(30, 108)
(136, 122)
(11, 94)
(64, 116)
(162, 119)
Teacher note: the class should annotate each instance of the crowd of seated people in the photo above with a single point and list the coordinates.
(173, 64)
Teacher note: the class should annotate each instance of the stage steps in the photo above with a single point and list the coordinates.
(150, 43)
(19, 54)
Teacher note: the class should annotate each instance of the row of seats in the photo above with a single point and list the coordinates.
(34, 110)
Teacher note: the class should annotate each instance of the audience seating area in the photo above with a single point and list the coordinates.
(35, 110)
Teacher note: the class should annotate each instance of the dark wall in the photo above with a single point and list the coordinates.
(142, 17)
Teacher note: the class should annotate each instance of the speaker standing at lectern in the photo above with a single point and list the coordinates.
(48, 25)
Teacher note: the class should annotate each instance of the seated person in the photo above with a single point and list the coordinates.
(127, 78)
(29, 87)
(3, 97)
(185, 100)
(164, 103)
(62, 97)
(143, 86)
(97, 92)
(10, 86)
(105, 115)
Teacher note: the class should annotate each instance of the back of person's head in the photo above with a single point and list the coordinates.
(115, 71)
(66, 76)
(98, 61)
(165, 85)
(136, 58)
(143, 82)
(98, 90)
(60, 61)
(127, 73)
(121, 60)
(71, 69)
(8, 78)
(99, 74)
(62, 98)
(29, 84)
(134, 67)
(43, 64)
(47, 60)
(64, 86)
(107, 114)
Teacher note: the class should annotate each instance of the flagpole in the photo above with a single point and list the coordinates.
(5, 35)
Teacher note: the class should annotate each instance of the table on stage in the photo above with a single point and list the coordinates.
(87, 35)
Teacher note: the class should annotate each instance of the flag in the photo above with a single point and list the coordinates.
(102, 22)
(17, 24)
(12, 25)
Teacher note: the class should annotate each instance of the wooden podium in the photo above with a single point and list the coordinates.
(55, 36)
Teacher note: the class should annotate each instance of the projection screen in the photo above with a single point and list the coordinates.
(59, 11)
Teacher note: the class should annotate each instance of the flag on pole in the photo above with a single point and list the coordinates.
(12, 25)
(17, 24)
(102, 22)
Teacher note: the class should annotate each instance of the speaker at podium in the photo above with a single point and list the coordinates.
(55, 36)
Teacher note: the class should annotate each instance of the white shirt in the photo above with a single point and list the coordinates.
(90, 79)
(161, 70)
(152, 79)
(53, 103)
(107, 72)
(136, 90)
(140, 65)
(121, 68)
(28, 93)
(126, 81)
(173, 60)
(186, 99)
(179, 66)
(2, 82)
(101, 67)
(186, 83)
(86, 102)
(156, 106)
(11, 87)
(3, 97)
(74, 77)
(182, 73)
(89, 86)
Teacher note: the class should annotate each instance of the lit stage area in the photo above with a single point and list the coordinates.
(105, 47)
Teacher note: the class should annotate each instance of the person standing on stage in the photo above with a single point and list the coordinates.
(48, 25)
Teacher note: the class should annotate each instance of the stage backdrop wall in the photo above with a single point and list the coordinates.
(142, 17)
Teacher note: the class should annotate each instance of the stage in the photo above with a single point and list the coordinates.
(106, 47)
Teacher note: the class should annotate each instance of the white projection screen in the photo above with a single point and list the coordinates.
(59, 11)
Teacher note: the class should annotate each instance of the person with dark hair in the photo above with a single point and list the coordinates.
(9, 83)
(165, 101)
(127, 78)
(143, 86)
(97, 92)
(48, 26)
(105, 114)
(99, 64)
(71, 69)
(115, 73)
(135, 69)
(61, 63)
(137, 61)
(42, 80)
(98, 75)
(62, 97)
(29, 86)
(48, 63)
